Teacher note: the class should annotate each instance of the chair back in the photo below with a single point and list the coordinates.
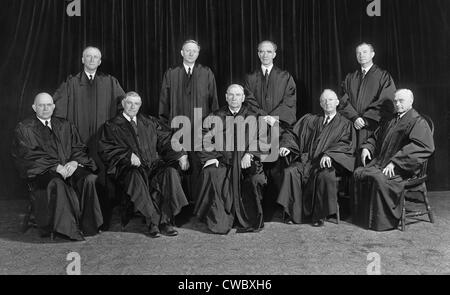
(423, 170)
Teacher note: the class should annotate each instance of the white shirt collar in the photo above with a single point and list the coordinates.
(367, 69)
(43, 121)
(235, 112)
(269, 68)
(93, 74)
(402, 114)
(186, 68)
(331, 117)
(129, 118)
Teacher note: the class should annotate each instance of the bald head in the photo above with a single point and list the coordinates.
(403, 100)
(43, 106)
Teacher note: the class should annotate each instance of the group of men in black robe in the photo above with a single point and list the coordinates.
(224, 183)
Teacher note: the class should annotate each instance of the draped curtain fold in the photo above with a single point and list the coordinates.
(41, 45)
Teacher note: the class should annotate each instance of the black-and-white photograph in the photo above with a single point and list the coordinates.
(226, 138)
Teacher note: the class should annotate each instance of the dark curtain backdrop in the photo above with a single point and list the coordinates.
(40, 45)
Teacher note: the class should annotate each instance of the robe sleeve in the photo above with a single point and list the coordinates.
(164, 146)
(345, 107)
(411, 156)
(288, 103)
(164, 99)
(61, 100)
(342, 150)
(112, 153)
(208, 151)
(212, 90)
(79, 150)
(117, 93)
(384, 104)
(250, 99)
(31, 160)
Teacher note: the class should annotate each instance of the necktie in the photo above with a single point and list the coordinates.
(47, 125)
(189, 72)
(327, 120)
(90, 77)
(363, 74)
(134, 125)
(266, 77)
(397, 118)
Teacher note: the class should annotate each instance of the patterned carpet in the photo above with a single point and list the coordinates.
(279, 249)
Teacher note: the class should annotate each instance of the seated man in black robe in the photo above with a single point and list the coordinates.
(232, 177)
(397, 151)
(322, 146)
(49, 152)
(131, 145)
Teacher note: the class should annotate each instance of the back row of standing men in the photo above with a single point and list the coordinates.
(322, 144)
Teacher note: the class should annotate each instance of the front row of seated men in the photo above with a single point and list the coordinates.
(138, 153)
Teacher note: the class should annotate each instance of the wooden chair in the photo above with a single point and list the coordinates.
(29, 219)
(417, 184)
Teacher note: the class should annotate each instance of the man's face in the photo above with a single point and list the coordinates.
(131, 105)
(235, 97)
(266, 53)
(403, 102)
(44, 106)
(92, 58)
(364, 54)
(190, 53)
(329, 102)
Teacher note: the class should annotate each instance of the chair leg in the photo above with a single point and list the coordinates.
(428, 207)
(403, 218)
(338, 217)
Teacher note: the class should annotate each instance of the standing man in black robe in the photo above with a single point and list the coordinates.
(396, 151)
(271, 92)
(50, 154)
(88, 99)
(232, 177)
(185, 88)
(323, 147)
(367, 95)
(131, 145)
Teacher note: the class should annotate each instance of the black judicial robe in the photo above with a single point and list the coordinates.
(376, 203)
(37, 152)
(370, 98)
(307, 189)
(229, 192)
(88, 105)
(179, 96)
(279, 98)
(154, 187)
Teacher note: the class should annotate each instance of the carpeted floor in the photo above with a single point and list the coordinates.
(279, 249)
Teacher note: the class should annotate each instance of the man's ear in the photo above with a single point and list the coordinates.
(33, 107)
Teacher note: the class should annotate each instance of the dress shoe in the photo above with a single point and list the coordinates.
(78, 236)
(153, 231)
(168, 230)
(318, 223)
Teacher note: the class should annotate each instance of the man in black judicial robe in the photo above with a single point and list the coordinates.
(232, 177)
(50, 154)
(323, 147)
(131, 145)
(367, 95)
(184, 88)
(88, 99)
(397, 151)
(271, 92)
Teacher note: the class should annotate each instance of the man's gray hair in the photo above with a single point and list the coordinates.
(235, 85)
(406, 91)
(368, 44)
(328, 90)
(268, 41)
(92, 47)
(131, 94)
(191, 41)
